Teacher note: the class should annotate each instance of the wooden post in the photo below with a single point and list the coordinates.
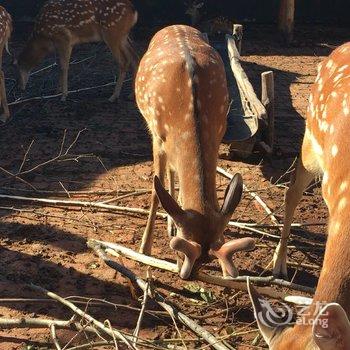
(205, 37)
(238, 36)
(268, 100)
(286, 19)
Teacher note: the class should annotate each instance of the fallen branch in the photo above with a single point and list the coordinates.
(60, 193)
(48, 97)
(110, 331)
(143, 309)
(54, 337)
(178, 315)
(62, 155)
(9, 323)
(83, 204)
(238, 283)
(115, 208)
(55, 64)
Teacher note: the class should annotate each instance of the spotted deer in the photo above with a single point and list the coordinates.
(213, 26)
(325, 152)
(193, 9)
(5, 33)
(181, 91)
(62, 24)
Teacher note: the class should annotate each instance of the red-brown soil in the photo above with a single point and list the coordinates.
(47, 245)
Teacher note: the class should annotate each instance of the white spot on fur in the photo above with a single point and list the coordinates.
(343, 186)
(336, 227)
(185, 135)
(342, 203)
(325, 177)
(334, 150)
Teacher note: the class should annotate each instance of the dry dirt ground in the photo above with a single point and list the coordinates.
(46, 245)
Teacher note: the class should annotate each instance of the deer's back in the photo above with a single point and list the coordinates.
(181, 90)
(5, 26)
(79, 16)
(328, 117)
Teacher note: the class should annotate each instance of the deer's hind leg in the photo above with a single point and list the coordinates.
(64, 50)
(305, 172)
(116, 43)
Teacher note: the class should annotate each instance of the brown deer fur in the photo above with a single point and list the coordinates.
(62, 24)
(181, 91)
(325, 152)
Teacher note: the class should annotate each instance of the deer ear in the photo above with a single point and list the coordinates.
(233, 195)
(268, 320)
(168, 202)
(331, 328)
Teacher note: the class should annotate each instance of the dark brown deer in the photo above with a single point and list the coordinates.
(181, 91)
(325, 152)
(212, 26)
(62, 24)
(5, 33)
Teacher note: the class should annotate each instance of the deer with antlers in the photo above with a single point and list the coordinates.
(181, 91)
(325, 151)
(62, 24)
(5, 33)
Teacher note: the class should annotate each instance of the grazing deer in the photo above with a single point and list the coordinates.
(62, 24)
(325, 151)
(181, 90)
(5, 33)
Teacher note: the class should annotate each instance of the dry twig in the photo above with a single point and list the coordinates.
(238, 283)
(111, 332)
(223, 172)
(178, 315)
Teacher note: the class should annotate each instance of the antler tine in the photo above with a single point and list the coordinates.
(226, 251)
(192, 252)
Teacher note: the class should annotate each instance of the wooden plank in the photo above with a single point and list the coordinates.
(268, 100)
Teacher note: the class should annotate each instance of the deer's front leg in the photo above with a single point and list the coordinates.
(171, 182)
(159, 170)
(3, 99)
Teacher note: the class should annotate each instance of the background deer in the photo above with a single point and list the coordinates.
(62, 24)
(212, 26)
(5, 33)
(181, 90)
(193, 9)
(325, 151)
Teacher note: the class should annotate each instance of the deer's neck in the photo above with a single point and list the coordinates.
(197, 182)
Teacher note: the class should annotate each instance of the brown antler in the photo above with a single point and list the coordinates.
(225, 253)
(192, 252)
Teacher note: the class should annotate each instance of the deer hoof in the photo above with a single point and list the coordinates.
(280, 263)
(4, 118)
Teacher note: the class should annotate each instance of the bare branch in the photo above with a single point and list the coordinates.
(176, 314)
(54, 337)
(111, 332)
(238, 283)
